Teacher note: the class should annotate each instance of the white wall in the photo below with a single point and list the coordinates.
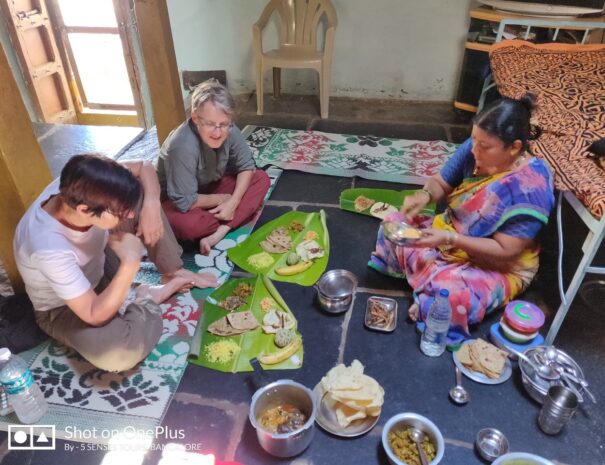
(407, 49)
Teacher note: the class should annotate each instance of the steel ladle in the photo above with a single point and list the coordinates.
(418, 436)
(458, 394)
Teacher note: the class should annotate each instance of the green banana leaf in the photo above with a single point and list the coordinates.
(253, 343)
(315, 221)
(395, 198)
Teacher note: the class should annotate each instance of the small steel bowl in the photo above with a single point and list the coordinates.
(404, 420)
(337, 284)
(335, 290)
(398, 231)
(491, 444)
(339, 305)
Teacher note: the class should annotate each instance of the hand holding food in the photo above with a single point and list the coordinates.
(413, 204)
(432, 237)
(127, 247)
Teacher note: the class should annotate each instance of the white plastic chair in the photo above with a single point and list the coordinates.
(299, 21)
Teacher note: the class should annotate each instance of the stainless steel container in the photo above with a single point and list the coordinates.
(278, 393)
(397, 232)
(536, 386)
(335, 290)
(404, 420)
(491, 444)
(559, 406)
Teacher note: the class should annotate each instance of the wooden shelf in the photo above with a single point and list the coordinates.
(465, 106)
(478, 46)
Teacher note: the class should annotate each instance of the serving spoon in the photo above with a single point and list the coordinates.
(418, 436)
(544, 371)
(551, 354)
(458, 394)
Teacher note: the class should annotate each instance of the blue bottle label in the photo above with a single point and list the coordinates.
(15, 386)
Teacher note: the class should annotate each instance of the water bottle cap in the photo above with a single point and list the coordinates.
(444, 293)
(5, 354)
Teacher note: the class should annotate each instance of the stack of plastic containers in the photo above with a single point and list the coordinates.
(519, 327)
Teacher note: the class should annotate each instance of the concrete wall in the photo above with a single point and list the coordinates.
(406, 49)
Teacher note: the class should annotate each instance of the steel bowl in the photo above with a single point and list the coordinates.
(524, 458)
(397, 232)
(402, 420)
(536, 386)
(277, 393)
(334, 305)
(335, 290)
(337, 284)
(491, 444)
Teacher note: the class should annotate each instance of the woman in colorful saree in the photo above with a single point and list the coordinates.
(483, 247)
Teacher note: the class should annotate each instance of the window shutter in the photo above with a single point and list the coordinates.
(32, 36)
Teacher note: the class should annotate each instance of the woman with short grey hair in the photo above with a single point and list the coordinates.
(209, 180)
(214, 92)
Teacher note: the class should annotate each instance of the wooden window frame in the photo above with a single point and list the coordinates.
(83, 105)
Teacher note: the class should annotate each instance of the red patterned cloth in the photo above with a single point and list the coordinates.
(569, 81)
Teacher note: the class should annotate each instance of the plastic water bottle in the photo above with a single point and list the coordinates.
(23, 392)
(5, 406)
(434, 337)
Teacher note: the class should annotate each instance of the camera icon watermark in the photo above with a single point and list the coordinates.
(31, 437)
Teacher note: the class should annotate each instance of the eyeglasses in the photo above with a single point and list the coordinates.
(125, 215)
(223, 127)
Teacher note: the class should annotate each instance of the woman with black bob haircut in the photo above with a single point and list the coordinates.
(483, 247)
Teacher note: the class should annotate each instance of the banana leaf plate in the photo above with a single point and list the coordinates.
(253, 343)
(315, 221)
(392, 197)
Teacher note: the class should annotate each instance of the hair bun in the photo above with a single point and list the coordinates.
(529, 101)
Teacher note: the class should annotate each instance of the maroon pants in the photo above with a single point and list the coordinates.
(197, 222)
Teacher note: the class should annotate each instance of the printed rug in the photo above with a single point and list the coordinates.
(87, 404)
(379, 158)
(84, 399)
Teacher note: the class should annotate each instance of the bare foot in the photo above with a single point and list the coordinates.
(413, 312)
(162, 292)
(200, 280)
(206, 243)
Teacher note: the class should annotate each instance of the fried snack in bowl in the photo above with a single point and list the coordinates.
(351, 394)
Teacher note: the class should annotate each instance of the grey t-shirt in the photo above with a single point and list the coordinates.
(187, 164)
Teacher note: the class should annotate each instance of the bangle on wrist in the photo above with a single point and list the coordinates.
(427, 192)
(451, 238)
